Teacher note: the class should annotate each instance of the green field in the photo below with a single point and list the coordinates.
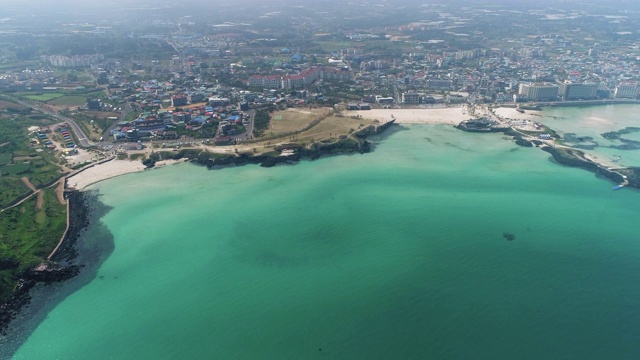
(44, 97)
(14, 169)
(39, 167)
(5, 158)
(20, 64)
(71, 100)
(27, 236)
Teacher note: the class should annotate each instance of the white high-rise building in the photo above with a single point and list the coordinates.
(539, 92)
(626, 91)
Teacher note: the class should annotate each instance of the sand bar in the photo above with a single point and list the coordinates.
(512, 113)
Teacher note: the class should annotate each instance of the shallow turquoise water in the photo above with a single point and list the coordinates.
(593, 121)
(397, 254)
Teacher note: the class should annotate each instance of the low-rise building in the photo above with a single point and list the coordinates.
(410, 98)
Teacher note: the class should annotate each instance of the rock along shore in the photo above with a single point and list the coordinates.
(60, 267)
(629, 176)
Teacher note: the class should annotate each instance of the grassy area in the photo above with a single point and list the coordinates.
(5, 158)
(329, 128)
(18, 64)
(333, 127)
(44, 97)
(133, 157)
(69, 100)
(4, 105)
(17, 159)
(333, 45)
(28, 236)
(12, 188)
(293, 120)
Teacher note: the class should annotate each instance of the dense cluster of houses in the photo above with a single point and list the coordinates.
(163, 125)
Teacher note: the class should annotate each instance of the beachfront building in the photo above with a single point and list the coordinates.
(384, 100)
(626, 91)
(575, 91)
(538, 91)
(410, 98)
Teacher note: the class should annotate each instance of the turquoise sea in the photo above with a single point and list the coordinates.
(438, 245)
(586, 125)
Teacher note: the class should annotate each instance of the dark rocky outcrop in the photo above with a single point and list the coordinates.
(576, 158)
(633, 176)
(45, 274)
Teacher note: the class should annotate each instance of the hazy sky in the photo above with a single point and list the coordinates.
(51, 5)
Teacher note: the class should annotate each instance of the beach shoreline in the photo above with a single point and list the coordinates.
(447, 115)
(107, 170)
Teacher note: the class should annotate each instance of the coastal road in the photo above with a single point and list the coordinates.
(83, 140)
(248, 134)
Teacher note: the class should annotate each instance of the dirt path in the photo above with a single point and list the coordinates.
(40, 200)
(60, 191)
(28, 184)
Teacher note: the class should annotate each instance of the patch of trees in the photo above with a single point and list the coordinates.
(21, 110)
(261, 122)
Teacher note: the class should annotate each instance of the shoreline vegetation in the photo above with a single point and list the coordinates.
(61, 264)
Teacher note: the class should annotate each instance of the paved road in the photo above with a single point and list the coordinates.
(82, 138)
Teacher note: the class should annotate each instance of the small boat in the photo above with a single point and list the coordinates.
(618, 187)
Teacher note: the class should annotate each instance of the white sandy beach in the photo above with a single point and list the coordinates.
(451, 116)
(109, 170)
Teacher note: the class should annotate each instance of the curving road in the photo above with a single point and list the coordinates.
(83, 140)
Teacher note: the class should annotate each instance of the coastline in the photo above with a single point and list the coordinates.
(357, 143)
(61, 267)
(64, 263)
(107, 170)
(73, 266)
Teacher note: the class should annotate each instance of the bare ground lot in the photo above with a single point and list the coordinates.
(332, 127)
(293, 119)
(40, 200)
(28, 184)
(102, 114)
(7, 104)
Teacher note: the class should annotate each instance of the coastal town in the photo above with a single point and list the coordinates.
(93, 99)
